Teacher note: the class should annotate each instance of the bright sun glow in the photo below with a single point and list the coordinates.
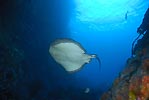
(105, 10)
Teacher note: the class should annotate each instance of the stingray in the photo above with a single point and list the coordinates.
(70, 54)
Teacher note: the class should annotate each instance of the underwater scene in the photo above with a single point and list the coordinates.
(74, 50)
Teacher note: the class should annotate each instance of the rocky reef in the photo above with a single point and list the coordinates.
(11, 57)
(133, 81)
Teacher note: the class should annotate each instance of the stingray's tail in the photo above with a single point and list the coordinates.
(98, 59)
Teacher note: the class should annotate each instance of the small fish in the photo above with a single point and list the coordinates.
(126, 15)
(87, 90)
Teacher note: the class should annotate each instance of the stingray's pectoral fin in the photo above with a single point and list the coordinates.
(70, 54)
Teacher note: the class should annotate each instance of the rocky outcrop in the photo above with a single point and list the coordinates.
(133, 81)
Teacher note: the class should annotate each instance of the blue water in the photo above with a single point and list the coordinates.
(103, 30)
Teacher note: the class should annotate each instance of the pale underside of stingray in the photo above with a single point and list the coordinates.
(70, 54)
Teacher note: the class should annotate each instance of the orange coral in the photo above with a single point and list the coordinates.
(145, 88)
(119, 97)
(134, 86)
(140, 88)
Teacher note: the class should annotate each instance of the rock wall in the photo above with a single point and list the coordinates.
(133, 81)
